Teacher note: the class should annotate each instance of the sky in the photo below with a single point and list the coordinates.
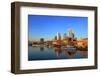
(46, 26)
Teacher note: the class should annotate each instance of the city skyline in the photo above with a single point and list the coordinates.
(43, 26)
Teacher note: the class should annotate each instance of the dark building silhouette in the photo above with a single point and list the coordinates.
(42, 40)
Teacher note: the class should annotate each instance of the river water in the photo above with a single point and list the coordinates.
(52, 53)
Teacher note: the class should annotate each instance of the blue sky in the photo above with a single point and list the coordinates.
(43, 26)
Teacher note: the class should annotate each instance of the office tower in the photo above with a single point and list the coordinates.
(58, 36)
(70, 33)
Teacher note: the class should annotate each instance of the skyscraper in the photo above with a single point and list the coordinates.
(58, 36)
(57, 40)
(41, 40)
(70, 33)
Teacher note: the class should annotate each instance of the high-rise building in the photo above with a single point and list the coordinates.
(68, 38)
(58, 36)
(57, 40)
(65, 40)
(70, 33)
(41, 40)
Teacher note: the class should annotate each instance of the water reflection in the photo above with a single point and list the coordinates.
(41, 48)
(47, 53)
(57, 51)
(68, 52)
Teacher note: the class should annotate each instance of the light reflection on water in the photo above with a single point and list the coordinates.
(45, 53)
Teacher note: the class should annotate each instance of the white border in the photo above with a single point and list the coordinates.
(25, 64)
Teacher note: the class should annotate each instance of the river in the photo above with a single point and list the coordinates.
(52, 53)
